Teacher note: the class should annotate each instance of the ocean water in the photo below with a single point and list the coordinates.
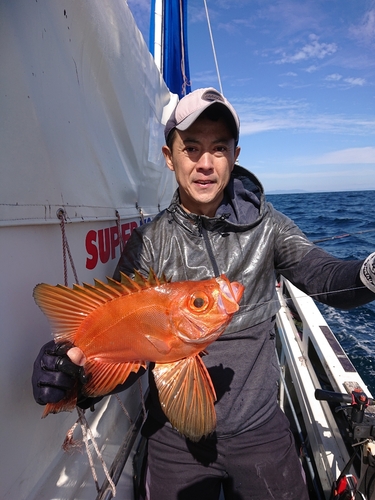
(331, 215)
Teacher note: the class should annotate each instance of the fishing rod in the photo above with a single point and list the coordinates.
(345, 235)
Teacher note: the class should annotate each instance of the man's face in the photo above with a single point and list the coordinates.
(202, 157)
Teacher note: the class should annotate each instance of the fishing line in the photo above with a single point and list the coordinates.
(345, 235)
(312, 295)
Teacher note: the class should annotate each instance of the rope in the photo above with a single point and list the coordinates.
(124, 409)
(213, 46)
(185, 82)
(86, 431)
(69, 441)
(87, 434)
(61, 214)
(122, 245)
(141, 214)
(142, 400)
(142, 397)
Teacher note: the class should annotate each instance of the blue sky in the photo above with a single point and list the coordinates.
(301, 74)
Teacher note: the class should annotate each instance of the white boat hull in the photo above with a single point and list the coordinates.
(81, 130)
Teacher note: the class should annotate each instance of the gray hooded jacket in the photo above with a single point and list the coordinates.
(250, 242)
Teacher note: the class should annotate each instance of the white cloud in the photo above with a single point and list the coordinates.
(311, 69)
(365, 31)
(266, 114)
(270, 104)
(317, 180)
(319, 174)
(233, 25)
(205, 78)
(312, 50)
(290, 16)
(317, 124)
(334, 77)
(337, 80)
(355, 81)
(348, 156)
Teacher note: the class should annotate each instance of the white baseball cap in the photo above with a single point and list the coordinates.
(191, 106)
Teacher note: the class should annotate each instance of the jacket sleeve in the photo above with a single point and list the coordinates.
(135, 256)
(330, 280)
(322, 276)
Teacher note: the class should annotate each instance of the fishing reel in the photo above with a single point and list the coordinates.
(362, 433)
(362, 426)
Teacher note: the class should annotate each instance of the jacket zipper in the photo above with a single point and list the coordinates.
(203, 232)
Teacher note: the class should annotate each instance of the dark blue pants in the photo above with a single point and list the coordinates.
(256, 465)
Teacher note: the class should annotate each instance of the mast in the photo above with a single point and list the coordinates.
(158, 35)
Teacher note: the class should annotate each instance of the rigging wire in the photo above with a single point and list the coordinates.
(213, 46)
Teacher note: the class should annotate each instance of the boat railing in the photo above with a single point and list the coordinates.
(311, 358)
(123, 454)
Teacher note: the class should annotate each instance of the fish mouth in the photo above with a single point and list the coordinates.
(203, 337)
(231, 294)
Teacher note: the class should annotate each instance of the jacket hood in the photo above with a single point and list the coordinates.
(243, 204)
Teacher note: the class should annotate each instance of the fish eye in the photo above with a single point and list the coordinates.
(199, 301)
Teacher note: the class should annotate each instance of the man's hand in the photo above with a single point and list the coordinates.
(367, 273)
(54, 373)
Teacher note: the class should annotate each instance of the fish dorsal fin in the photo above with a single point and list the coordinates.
(100, 292)
(140, 282)
(187, 396)
(67, 308)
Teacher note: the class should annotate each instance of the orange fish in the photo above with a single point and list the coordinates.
(116, 328)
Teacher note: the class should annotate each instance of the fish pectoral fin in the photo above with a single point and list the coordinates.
(104, 376)
(159, 344)
(187, 396)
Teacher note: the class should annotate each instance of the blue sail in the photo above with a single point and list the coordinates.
(175, 61)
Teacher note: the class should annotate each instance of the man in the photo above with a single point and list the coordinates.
(219, 222)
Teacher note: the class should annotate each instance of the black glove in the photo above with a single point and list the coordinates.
(54, 374)
(367, 272)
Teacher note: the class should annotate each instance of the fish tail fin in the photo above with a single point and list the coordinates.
(102, 379)
(187, 396)
(66, 404)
